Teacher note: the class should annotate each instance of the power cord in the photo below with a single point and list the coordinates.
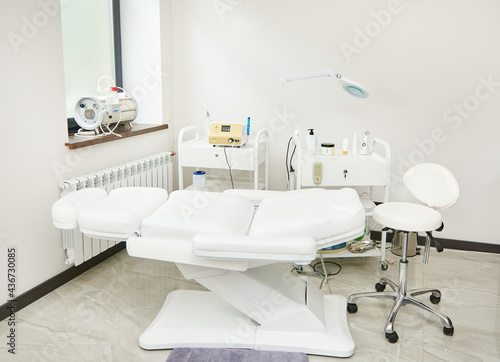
(328, 274)
(288, 164)
(82, 133)
(229, 166)
(299, 269)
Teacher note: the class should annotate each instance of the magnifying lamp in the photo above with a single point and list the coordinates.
(354, 89)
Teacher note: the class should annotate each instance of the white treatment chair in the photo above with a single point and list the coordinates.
(234, 249)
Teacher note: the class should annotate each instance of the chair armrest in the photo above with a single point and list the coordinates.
(177, 251)
(301, 250)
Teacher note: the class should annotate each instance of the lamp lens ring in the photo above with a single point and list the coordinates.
(355, 91)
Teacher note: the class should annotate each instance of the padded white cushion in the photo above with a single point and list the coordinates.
(328, 216)
(65, 210)
(120, 214)
(188, 213)
(407, 216)
(256, 196)
(177, 251)
(433, 185)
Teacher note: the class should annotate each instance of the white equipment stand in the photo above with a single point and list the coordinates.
(352, 170)
(197, 153)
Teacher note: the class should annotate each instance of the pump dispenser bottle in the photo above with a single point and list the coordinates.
(311, 142)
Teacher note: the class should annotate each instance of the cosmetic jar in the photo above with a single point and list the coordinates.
(328, 149)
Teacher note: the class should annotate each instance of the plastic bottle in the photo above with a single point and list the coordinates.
(311, 142)
(208, 120)
(199, 180)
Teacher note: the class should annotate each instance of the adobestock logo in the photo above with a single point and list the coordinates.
(31, 25)
(453, 118)
(460, 111)
(151, 81)
(363, 36)
(222, 7)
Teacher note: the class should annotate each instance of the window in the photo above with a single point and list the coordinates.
(92, 49)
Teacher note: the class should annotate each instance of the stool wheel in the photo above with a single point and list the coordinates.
(392, 337)
(352, 307)
(380, 287)
(434, 299)
(448, 331)
(384, 265)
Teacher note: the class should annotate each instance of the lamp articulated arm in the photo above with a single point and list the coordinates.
(354, 89)
(293, 78)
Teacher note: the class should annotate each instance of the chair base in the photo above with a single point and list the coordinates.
(202, 319)
(402, 297)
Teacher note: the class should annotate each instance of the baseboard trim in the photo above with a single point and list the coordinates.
(55, 282)
(450, 243)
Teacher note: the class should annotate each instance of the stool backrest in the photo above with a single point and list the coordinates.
(433, 185)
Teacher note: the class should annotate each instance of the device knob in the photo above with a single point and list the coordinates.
(230, 140)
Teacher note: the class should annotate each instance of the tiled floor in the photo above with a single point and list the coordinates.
(100, 315)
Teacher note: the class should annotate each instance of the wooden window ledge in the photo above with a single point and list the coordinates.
(124, 131)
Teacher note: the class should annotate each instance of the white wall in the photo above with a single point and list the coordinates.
(431, 67)
(33, 157)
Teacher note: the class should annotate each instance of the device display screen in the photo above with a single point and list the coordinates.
(225, 128)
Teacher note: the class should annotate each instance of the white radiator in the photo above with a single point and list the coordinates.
(152, 171)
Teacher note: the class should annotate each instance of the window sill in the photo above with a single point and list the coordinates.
(125, 131)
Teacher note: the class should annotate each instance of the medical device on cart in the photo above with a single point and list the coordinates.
(227, 134)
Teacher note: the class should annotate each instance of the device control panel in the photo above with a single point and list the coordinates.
(317, 172)
(227, 134)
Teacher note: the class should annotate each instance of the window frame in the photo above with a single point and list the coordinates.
(117, 54)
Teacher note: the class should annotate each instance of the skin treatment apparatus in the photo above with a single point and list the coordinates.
(354, 89)
(92, 113)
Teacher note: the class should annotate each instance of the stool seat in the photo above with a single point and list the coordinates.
(406, 216)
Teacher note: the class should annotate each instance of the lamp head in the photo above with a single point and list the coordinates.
(353, 88)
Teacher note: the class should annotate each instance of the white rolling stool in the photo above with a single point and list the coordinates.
(436, 188)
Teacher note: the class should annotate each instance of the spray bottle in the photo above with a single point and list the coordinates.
(208, 120)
